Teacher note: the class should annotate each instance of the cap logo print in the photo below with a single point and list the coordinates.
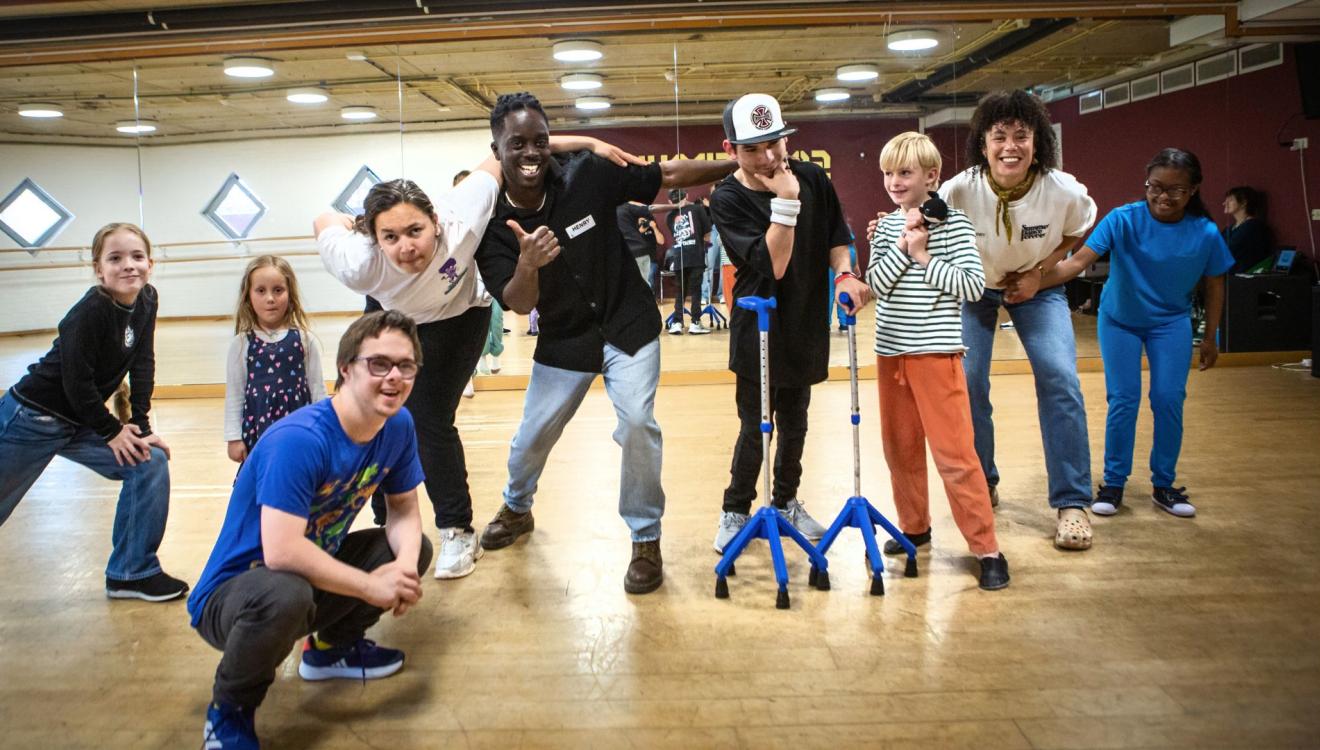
(761, 117)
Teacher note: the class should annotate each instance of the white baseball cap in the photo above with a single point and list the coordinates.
(754, 118)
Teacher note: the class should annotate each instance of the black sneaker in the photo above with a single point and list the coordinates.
(994, 573)
(1107, 500)
(1173, 500)
(158, 588)
(892, 547)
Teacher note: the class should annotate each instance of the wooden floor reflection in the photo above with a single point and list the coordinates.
(1168, 633)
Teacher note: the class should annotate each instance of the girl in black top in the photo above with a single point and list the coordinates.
(58, 408)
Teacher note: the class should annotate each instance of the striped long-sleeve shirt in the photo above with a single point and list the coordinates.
(919, 309)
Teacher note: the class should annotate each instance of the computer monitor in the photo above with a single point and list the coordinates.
(1283, 262)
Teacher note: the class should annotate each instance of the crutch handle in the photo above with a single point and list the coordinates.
(846, 303)
(761, 306)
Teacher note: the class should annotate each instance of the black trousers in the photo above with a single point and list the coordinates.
(788, 413)
(258, 614)
(689, 285)
(450, 350)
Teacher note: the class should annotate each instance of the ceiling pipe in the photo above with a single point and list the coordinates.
(1005, 45)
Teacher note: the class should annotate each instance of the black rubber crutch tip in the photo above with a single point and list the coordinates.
(721, 588)
(823, 581)
(910, 570)
(781, 601)
(877, 586)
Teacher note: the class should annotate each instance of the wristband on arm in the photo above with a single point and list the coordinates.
(785, 211)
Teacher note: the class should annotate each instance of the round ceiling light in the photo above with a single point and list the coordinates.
(915, 40)
(855, 73)
(40, 110)
(311, 95)
(136, 127)
(592, 102)
(826, 96)
(581, 81)
(249, 67)
(577, 50)
(358, 113)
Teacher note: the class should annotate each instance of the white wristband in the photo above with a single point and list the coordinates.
(785, 211)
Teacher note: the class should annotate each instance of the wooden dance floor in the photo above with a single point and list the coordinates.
(1168, 633)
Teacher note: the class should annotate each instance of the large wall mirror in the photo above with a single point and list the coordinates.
(228, 150)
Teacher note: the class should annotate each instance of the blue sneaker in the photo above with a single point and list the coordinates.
(229, 728)
(363, 660)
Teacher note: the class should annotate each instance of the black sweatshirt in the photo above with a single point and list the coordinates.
(99, 342)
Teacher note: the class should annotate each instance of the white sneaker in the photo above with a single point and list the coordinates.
(468, 390)
(696, 329)
(730, 525)
(675, 329)
(797, 515)
(458, 555)
(482, 367)
(494, 363)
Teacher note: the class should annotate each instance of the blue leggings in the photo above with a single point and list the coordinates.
(1169, 349)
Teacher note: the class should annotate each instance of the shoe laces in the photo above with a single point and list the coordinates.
(732, 520)
(1111, 494)
(1175, 494)
(229, 714)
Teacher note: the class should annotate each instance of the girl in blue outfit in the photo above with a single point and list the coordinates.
(1159, 250)
(274, 363)
(58, 409)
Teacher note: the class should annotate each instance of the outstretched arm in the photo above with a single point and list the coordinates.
(678, 173)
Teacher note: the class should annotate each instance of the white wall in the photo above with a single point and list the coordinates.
(297, 178)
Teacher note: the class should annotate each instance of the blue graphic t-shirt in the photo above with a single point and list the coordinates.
(1154, 265)
(305, 464)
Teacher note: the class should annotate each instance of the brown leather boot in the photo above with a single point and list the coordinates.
(646, 571)
(505, 527)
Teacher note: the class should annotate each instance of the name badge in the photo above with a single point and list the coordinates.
(581, 225)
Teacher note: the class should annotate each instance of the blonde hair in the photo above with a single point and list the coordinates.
(245, 318)
(911, 149)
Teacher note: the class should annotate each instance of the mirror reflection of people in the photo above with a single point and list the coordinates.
(689, 225)
(1247, 234)
(1159, 249)
(554, 244)
(1028, 214)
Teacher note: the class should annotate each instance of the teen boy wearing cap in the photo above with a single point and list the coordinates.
(554, 244)
(783, 228)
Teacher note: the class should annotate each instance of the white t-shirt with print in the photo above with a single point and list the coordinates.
(1057, 206)
(448, 286)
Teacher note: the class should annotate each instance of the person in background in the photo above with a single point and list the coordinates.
(640, 234)
(689, 225)
(1247, 235)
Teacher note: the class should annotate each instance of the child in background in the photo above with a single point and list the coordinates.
(920, 276)
(274, 363)
(58, 408)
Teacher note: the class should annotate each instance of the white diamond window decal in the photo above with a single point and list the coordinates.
(235, 209)
(355, 192)
(31, 217)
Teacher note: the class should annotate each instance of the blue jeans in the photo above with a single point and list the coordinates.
(1045, 326)
(553, 397)
(30, 438)
(1169, 349)
(710, 278)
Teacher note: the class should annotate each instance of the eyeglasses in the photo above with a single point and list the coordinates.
(382, 366)
(1177, 192)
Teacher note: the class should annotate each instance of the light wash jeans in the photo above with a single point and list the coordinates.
(30, 438)
(1044, 324)
(710, 278)
(553, 397)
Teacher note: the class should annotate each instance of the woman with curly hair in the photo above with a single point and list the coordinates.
(1028, 214)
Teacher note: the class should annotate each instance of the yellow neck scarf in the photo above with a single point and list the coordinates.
(1007, 196)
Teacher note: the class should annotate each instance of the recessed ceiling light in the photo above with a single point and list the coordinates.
(40, 110)
(311, 95)
(592, 102)
(832, 95)
(358, 113)
(249, 67)
(861, 72)
(135, 127)
(577, 50)
(581, 81)
(912, 41)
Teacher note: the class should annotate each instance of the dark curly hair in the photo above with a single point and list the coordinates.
(1186, 162)
(512, 103)
(1013, 106)
(386, 195)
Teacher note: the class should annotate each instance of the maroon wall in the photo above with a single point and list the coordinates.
(1234, 126)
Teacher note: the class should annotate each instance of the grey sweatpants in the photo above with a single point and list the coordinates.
(256, 616)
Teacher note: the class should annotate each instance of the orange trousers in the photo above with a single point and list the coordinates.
(923, 397)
